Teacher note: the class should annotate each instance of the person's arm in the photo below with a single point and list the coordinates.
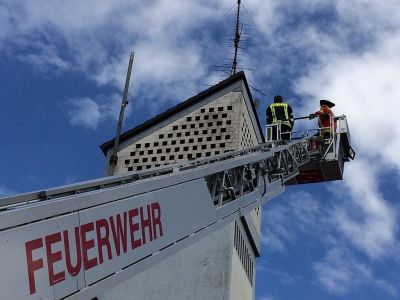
(269, 115)
(290, 113)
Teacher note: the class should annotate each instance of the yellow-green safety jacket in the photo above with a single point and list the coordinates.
(280, 112)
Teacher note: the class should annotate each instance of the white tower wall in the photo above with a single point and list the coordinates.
(209, 269)
(220, 266)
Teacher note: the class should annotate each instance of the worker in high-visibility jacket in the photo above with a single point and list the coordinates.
(325, 117)
(280, 113)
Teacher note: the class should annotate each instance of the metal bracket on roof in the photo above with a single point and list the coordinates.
(42, 195)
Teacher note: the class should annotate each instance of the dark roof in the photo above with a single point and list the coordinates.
(181, 106)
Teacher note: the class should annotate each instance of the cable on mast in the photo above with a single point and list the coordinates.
(237, 38)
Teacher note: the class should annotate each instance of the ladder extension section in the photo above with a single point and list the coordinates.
(77, 241)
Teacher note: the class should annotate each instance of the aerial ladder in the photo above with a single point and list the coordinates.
(77, 241)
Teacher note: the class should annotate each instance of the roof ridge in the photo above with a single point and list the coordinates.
(172, 110)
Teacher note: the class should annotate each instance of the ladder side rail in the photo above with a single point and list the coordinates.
(111, 181)
(224, 156)
(334, 135)
(65, 190)
(117, 180)
(57, 206)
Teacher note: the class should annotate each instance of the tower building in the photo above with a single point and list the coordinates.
(220, 266)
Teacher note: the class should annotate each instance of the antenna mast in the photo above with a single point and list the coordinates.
(114, 157)
(237, 39)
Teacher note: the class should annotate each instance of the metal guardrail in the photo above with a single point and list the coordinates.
(338, 126)
(282, 165)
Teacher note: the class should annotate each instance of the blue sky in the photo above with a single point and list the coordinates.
(62, 70)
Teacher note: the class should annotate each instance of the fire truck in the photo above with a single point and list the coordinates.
(77, 241)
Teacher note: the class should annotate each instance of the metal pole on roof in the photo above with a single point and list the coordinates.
(236, 40)
(114, 157)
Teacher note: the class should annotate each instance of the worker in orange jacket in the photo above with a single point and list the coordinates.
(325, 115)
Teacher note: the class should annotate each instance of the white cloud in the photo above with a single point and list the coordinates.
(356, 64)
(267, 298)
(173, 46)
(369, 221)
(281, 224)
(5, 26)
(110, 106)
(354, 61)
(340, 272)
(89, 113)
(301, 217)
(84, 112)
(364, 86)
(45, 58)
